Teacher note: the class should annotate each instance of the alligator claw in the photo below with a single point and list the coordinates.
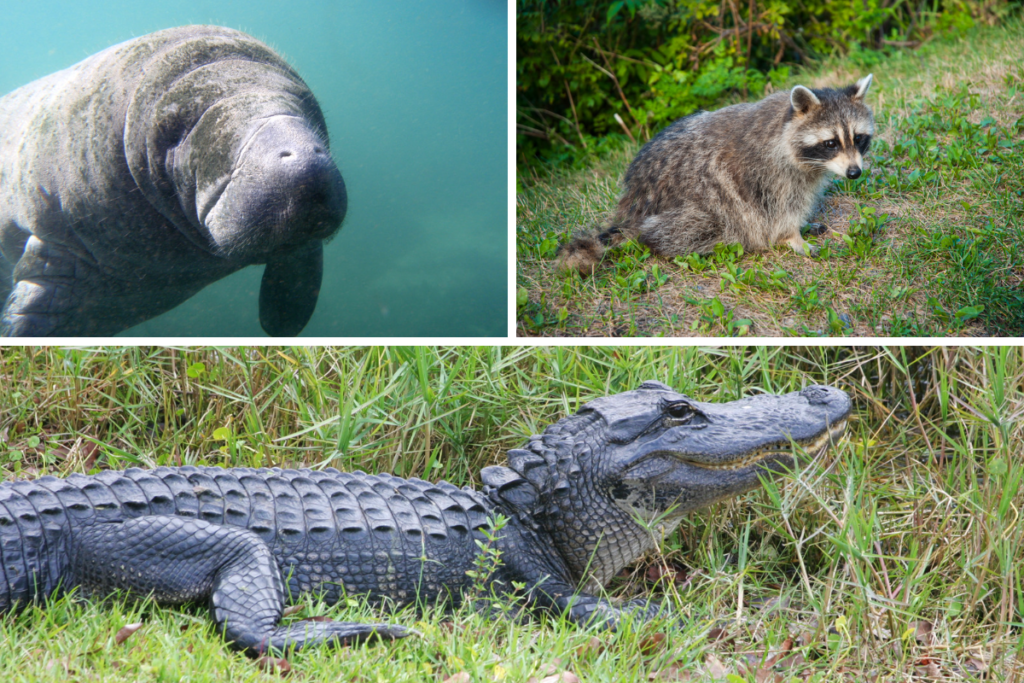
(367, 631)
(310, 632)
(393, 632)
(353, 632)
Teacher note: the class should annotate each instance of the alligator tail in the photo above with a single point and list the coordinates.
(30, 549)
(7, 602)
(583, 252)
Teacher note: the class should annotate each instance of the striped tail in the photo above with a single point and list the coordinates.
(583, 252)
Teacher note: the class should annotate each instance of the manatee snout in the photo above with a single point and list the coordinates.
(285, 190)
(301, 171)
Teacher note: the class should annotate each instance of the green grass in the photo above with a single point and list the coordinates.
(930, 241)
(896, 557)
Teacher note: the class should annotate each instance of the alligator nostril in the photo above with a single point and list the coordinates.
(817, 394)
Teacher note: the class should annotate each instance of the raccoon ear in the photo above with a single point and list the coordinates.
(861, 88)
(803, 100)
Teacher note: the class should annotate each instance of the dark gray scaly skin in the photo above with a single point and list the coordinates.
(133, 179)
(247, 540)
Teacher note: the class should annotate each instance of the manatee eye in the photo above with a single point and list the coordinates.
(679, 411)
(830, 144)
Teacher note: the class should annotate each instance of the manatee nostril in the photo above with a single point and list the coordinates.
(318, 149)
(284, 155)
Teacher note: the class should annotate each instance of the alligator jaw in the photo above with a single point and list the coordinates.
(814, 446)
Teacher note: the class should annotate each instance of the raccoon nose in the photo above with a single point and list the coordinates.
(853, 172)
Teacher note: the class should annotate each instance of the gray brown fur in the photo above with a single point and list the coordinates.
(749, 174)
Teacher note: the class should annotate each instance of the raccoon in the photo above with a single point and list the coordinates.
(749, 173)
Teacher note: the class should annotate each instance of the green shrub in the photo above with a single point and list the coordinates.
(593, 71)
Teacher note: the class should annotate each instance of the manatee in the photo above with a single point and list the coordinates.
(133, 179)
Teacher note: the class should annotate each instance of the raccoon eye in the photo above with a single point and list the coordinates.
(857, 139)
(830, 144)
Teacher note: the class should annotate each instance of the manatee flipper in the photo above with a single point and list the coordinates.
(45, 278)
(290, 288)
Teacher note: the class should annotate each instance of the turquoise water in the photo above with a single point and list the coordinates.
(415, 94)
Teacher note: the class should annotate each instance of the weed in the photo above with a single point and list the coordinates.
(488, 560)
(805, 297)
(838, 323)
(714, 313)
(724, 255)
(537, 315)
(861, 235)
(957, 319)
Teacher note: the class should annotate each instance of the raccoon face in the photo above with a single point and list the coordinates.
(832, 128)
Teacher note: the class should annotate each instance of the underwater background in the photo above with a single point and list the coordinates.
(415, 95)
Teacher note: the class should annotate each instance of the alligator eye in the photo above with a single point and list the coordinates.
(830, 144)
(679, 411)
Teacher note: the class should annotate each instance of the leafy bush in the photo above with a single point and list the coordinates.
(590, 72)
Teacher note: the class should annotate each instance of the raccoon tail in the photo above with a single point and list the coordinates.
(583, 252)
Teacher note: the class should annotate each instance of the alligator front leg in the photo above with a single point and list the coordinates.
(589, 610)
(179, 560)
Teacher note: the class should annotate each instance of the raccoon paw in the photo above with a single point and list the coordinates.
(798, 245)
(816, 229)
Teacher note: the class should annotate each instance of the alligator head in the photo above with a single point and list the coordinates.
(600, 481)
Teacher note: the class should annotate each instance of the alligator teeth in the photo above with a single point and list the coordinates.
(816, 447)
(746, 461)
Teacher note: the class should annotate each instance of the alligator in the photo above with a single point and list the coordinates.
(579, 503)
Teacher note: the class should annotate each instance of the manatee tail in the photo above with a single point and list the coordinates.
(583, 252)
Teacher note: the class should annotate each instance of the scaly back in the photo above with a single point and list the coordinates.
(298, 514)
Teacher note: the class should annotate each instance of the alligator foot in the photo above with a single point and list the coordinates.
(589, 610)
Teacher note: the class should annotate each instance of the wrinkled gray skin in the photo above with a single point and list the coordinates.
(135, 178)
(244, 541)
